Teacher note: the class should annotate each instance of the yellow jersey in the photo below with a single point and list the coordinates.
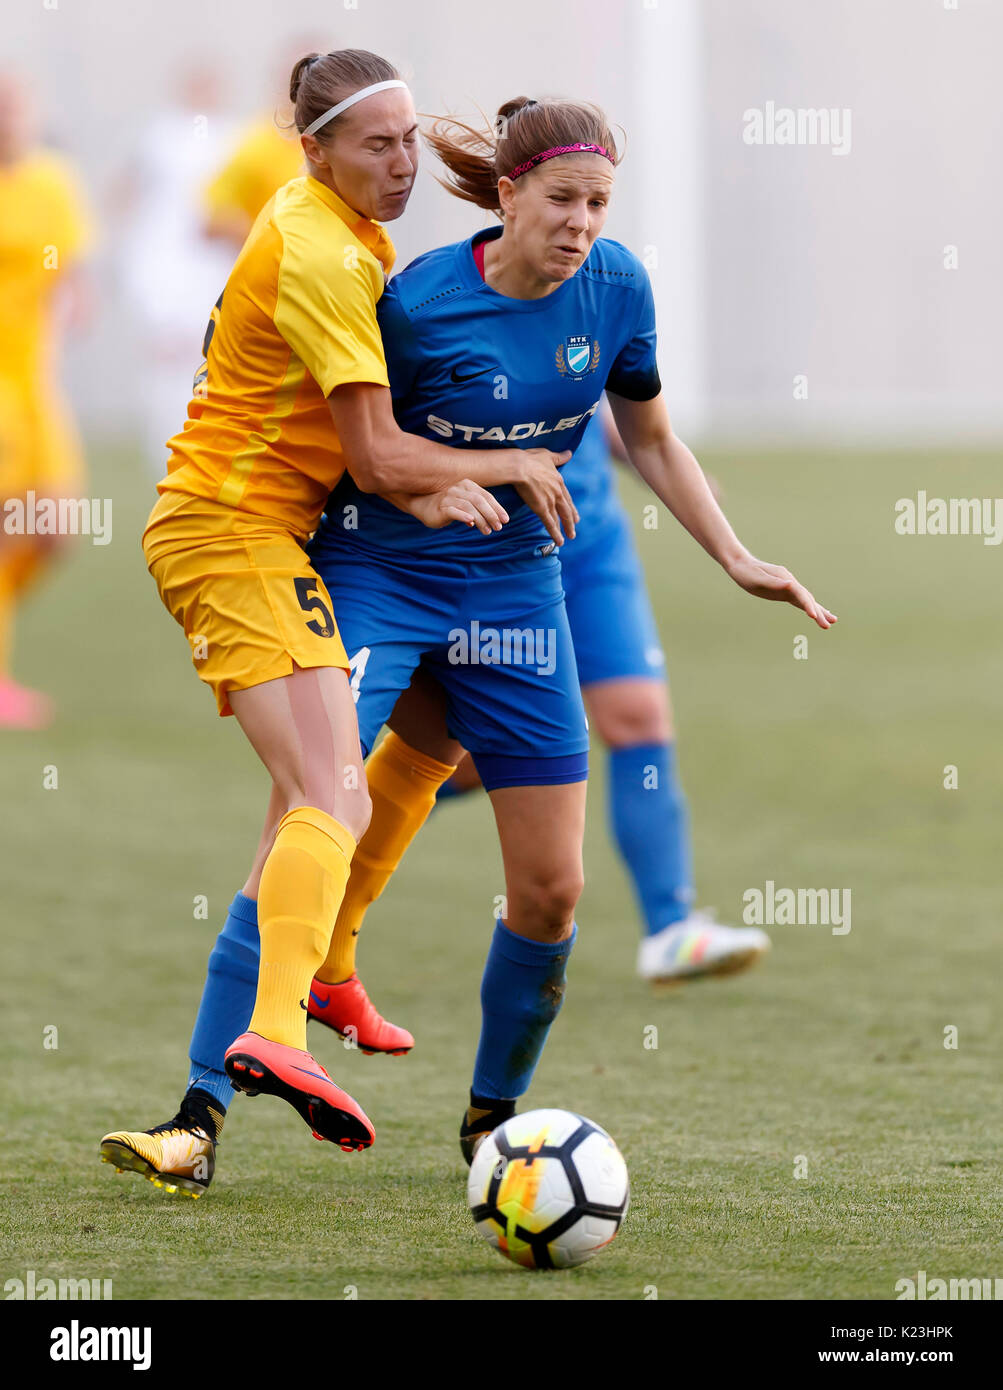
(296, 318)
(263, 161)
(45, 228)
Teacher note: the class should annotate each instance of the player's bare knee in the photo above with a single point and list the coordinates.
(350, 805)
(547, 904)
(640, 715)
(354, 810)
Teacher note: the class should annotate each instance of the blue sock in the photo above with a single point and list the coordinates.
(227, 999)
(651, 827)
(521, 993)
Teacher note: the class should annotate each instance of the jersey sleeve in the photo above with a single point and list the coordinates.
(634, 374)
(400, 343)
(325, 309)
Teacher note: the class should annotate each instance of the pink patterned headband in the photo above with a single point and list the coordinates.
(528, 164)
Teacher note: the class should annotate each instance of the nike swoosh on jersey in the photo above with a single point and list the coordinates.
(455, 376)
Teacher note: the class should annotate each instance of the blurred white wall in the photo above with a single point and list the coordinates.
(833, 266)
(769, 261)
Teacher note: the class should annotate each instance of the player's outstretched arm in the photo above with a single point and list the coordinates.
(382, 458)
(675, 477)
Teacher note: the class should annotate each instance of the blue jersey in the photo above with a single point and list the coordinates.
(476, 369)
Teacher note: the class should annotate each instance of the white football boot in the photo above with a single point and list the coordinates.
(699, 946)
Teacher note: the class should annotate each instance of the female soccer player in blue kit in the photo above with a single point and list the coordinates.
(511, 337)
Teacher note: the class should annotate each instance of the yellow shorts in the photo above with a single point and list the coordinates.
(244, 592)
(39, 446)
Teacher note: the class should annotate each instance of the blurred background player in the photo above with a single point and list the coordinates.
(621, 668)
(45, 235)
(171, 269)
(190, 198)
(263, 155)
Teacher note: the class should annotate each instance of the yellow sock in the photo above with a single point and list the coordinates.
(302, 885)
(402, 787)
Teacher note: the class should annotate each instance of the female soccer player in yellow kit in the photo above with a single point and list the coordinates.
(44, 237)
(292, 344)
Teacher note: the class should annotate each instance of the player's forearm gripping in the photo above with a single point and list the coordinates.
(382, 458)
(675, 477)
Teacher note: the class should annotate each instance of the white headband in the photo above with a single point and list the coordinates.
(350, 101)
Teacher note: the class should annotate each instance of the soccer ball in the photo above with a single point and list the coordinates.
(548, 1189)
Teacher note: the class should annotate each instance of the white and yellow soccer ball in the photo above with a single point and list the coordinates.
(548, 1189)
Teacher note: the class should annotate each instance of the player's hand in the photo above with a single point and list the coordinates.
(464, 501)
(543, 489)
(774, 582)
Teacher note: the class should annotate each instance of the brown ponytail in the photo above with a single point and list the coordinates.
(320, 80)
(477, 159)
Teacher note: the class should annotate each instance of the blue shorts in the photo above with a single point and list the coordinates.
(495, 635)
(612, 623)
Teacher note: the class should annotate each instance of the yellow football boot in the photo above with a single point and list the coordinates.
(179, 1156)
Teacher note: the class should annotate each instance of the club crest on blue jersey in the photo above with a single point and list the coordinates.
(578, 355)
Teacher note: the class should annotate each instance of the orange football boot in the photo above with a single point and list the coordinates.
(254, 1064)
(347, 1007)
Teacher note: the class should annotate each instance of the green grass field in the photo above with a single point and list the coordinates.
(819, 772)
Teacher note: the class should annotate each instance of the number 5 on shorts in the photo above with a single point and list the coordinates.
(311, 602)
